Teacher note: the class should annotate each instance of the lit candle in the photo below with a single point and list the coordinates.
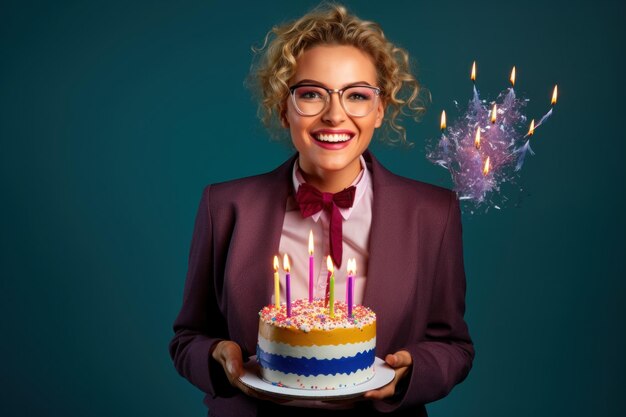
(473, 74)
(512, 79)
(311, 266)
(287, 284)
(477, 138)
(350, 294)
(443, 120)
(331, 287)
(554, 95)
(486, 167)
(494, 111)
(531, 129)
(276, 284)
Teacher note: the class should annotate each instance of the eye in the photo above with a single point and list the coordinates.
(359, 94)
(309, 93)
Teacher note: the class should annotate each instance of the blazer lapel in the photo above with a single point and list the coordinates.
(392, 256)
(254, 251)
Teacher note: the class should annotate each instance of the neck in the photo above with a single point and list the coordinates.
(329, 181)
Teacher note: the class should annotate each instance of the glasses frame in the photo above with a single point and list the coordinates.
(330, 91)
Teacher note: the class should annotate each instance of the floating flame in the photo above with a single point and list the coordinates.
(351, 266)
(311, 242)
(443, 120)
(477, 140)
(329, 264)
(476, 178)
(286, 263)
(276, 263)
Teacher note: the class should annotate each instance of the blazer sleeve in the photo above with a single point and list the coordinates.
(200, 323)
(444, 357)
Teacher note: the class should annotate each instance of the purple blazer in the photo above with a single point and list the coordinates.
(415, 283)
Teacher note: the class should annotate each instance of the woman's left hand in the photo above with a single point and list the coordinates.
(401, 363)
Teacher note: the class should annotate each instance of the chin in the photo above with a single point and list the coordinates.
(335, 163)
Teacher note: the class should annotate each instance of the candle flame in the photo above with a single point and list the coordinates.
(512, 79)
(477, 140)
(473, 76)
(554, 94)
(443, 120)
(311, 242)
(493, 113)
(329, 264)
(276, 263)
(486, 167)
(531, 129)
(286, 263)
(351, 266)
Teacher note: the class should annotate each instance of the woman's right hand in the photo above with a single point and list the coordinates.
(228, 354)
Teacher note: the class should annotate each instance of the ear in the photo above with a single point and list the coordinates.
(380, 114)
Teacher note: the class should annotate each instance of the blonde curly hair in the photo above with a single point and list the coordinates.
(331, 24)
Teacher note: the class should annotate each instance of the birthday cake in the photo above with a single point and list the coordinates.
(311, 350)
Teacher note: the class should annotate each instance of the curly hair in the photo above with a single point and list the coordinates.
(331, 24)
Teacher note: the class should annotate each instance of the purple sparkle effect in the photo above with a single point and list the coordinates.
(505, 143)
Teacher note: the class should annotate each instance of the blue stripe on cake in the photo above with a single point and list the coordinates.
(313, 366)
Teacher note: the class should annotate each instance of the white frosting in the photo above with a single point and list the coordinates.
(319, 352)
(320, 382)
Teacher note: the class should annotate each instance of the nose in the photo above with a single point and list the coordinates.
(334, 113)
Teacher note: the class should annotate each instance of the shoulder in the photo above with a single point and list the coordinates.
(417, 194)
(248, 189)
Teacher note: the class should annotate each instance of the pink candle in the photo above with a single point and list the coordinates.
(311, 266)
(287, 284)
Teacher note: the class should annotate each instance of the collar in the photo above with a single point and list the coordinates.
(362, 182)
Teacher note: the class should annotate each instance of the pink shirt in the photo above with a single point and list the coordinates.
(294, 242)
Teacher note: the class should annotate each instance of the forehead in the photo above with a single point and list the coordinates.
(335, 66)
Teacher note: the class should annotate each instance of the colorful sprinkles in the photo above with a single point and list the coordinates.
(307, 316)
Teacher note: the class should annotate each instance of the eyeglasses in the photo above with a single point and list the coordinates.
(356, 100)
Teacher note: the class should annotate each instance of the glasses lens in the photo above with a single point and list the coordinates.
(309, 100)
(359, 101)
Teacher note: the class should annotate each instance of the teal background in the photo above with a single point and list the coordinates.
(114, 115)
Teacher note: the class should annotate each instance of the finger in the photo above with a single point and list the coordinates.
(234, 366)
(228, 354)
(218, 351)
(399, 359)
(389, 389)
(379, 394)
(391, 360)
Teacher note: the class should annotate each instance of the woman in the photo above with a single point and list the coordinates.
(331, 80)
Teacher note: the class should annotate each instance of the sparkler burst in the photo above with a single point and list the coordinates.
(485, 148)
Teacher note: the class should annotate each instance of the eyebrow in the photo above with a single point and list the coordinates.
(308, 81)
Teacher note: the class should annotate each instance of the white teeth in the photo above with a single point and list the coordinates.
(325, 137)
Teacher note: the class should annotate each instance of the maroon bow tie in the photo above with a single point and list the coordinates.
(311, 200)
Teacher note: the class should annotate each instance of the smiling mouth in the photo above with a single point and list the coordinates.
(332, 137)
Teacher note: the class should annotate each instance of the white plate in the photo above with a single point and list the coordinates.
(383, 374)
